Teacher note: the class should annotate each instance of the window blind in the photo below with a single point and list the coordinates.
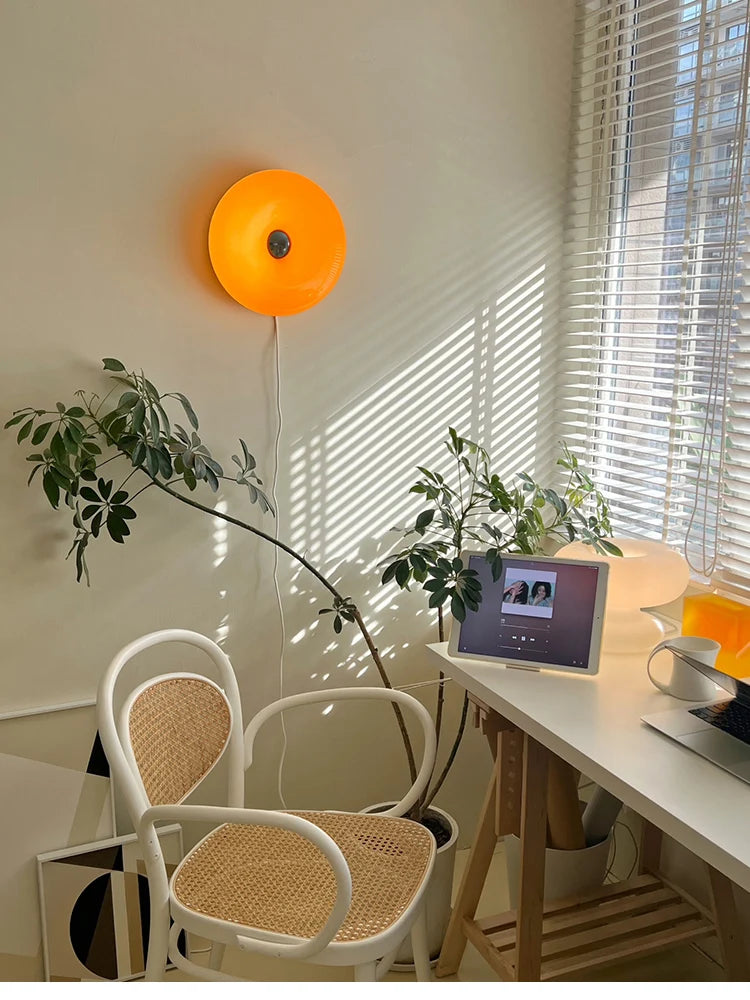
(655, 363)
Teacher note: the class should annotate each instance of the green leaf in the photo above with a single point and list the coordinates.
(152, 462)
(58, 449)
(81, 567)
(187, 407)
(458, 610)
(113, 365)
(423, 520)
(139, 453)
(16, 419)
(117, 528)
(138, 416)
(403, 572)
(249, 460)
(70, 441)
(123, 511)
(418, 563)
(40, 433)
(326, 611)
(51, 489)
(75, 411)
(128, 401)
(97, 523)
(337, 624)
(610, 547)
(60, 478)
(438, 598)
(89, 510)
(25, 431)
(165, 462)
(389, 573)
(211, 479)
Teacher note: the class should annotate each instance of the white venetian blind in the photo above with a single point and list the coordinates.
(656, 356)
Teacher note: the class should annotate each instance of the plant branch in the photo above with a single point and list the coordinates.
(451, 756)
(329, 586)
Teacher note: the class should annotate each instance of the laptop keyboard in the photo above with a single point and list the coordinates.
(729, 716)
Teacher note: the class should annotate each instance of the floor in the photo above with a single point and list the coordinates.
(685, 964)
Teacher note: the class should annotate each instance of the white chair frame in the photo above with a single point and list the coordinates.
(371, 957)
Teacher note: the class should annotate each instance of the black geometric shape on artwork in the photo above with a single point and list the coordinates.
(92, 928)
(98, 763)
(109, 858)
(145, 908)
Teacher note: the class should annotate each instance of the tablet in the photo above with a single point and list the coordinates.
(542, 613)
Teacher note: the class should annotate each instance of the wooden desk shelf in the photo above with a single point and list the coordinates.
(553, 940)
(614, 923)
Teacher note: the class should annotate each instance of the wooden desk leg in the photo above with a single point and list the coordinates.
(472, 883)
(649, 854)
(733, 953)
(533, 843)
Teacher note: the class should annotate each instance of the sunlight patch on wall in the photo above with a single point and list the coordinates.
(489, 377)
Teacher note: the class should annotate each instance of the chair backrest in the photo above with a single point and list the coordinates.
(178, 727)
(173, 729)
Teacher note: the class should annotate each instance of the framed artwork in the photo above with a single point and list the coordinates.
(54, 783)
(95, 908)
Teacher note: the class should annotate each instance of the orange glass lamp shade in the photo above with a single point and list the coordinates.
(277, 242)
(726, 621)
(647, 575)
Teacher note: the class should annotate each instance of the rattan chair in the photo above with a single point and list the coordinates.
(331, 888)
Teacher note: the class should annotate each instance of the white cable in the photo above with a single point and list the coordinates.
(421, 684)
(276, 554)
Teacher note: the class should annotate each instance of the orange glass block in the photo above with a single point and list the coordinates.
(726, 621)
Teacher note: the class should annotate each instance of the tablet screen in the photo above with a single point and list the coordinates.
(539, 611)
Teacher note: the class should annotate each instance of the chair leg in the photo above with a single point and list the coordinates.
(217, 956)
(158, 945)
(419, 948)
(365, 973)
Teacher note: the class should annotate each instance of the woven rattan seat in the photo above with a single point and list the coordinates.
(275, 880)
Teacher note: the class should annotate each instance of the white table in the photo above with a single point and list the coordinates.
(593, 723)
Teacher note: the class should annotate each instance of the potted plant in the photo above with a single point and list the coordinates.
(471, 507)
(131, 427)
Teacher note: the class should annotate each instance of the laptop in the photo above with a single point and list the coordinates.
(719, 730)
(541, 613)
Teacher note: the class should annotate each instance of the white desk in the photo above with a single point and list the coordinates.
(594, 724)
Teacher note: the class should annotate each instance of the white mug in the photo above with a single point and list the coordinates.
(686, 682)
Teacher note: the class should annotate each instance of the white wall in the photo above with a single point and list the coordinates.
(440, 129)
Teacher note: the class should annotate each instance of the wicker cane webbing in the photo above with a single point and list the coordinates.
(178, 730)
(275, 880)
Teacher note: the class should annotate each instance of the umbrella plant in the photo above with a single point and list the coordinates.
(98, 455)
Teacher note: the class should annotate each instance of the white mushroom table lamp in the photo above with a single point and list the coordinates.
(647, 575)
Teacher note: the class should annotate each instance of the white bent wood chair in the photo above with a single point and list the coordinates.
(327, 887)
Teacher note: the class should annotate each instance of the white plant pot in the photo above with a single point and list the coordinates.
(438, 893)
(566, 873)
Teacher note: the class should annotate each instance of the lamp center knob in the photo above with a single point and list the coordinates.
(279, 244)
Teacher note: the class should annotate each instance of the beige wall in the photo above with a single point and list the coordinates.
(440, 129)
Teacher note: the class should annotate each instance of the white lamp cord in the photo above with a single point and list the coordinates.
(276, 553)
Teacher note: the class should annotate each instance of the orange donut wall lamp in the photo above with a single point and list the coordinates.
(277, 242)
